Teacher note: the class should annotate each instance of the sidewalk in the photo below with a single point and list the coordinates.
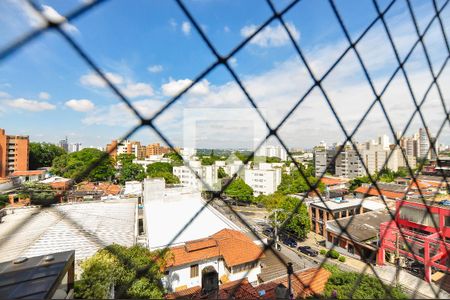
(412, 285)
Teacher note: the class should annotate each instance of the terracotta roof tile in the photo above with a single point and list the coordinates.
(28, 173)
(372, 191)
(235, 248)
(331, 181)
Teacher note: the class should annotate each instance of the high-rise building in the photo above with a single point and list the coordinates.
(156, 149)
(323, 160)
(272, 151)
(64, 144)
(13, 153)
(126, 147)
(75, 147)
(424, 144)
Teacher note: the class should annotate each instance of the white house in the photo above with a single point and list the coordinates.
(225, 256)
(263, 178)
(272, 151)
(151, 160)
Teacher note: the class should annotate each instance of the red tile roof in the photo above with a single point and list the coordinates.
(28, 173)
(304, 284)
(372, 191)
(238, 289)
(234, 246)
(331, 181)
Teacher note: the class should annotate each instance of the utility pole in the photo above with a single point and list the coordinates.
(275, 231)
(290, 271)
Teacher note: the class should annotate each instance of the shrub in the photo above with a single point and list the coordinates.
(43, 198)
(342, 258)
(333, 254)
(323, 252)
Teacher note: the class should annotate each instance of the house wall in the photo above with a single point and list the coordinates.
(180, 277)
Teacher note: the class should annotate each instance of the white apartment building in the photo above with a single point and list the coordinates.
(264, 178)
(129, 147)
(272, 151)
(151, 160)
(227, 255)
(188, 177)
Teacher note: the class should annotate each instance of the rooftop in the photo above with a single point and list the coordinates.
(333, 205)
(363, 227)
(28, 173)
(167, 211)
(34, 278)
(84, 227)
(302, 286)
(235, 248)
(372, 191)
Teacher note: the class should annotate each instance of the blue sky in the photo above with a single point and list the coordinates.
(151, 51)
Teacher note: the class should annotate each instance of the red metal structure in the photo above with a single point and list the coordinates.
(413, 234)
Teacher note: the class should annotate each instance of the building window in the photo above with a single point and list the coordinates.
(194, 271)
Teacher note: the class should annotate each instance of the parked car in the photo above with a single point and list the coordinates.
(289, 242)
(308, 251)
(268, 231)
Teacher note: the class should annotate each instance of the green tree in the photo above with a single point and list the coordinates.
(221, 173)
(239, 190)
(162, 170)
(369, 287)
(175, 158)
(357, 182)
(135, 272)
(43, 154)
(128, 170)
(294, 182)
(91, 164)
(39, 193)
(299, 222)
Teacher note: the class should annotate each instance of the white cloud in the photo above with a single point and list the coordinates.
(133, 90)
(30, 105)
(226, 29)
(36, 20)
(4, 95)
(51, 14)
(173, 87)
(271, 36)
(94, 80)
(81, 105)
(173, 24)
(44, 96)
(155, 69)
(128, 87)
(186, 28)
(120, 114)
(233, 61)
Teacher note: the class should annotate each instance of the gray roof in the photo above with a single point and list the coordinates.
(83, 227)
(35, 278)
(363, 227)
(335, 206)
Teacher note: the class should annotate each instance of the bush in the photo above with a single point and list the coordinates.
(333, 254)
(43, 198)
(323, 252)
(342, 258)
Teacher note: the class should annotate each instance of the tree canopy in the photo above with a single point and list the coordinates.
(294, 182)
(75, 165)
(135, 272)
(162, 170)
(128, 170)
(43, 154)
(342, 283)
(175, 158)
(239, 190)
(221, 173)
(299, 224)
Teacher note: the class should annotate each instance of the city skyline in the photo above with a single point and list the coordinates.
(78, 105)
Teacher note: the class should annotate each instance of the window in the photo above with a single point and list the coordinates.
(194, 271)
